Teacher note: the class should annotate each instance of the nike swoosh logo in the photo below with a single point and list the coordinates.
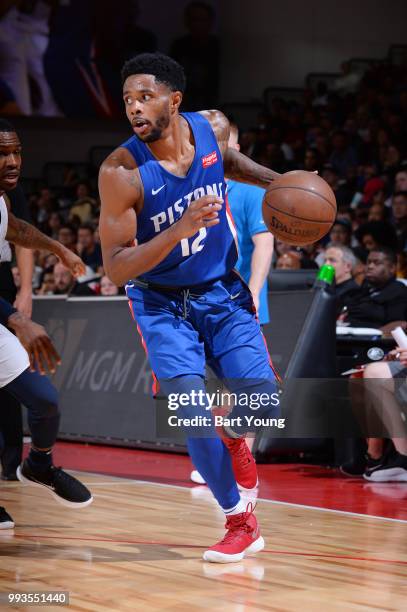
(33, 479)
(155, 191)
(233, 297)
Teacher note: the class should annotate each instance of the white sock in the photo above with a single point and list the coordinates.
(238, 509)
(231, 434)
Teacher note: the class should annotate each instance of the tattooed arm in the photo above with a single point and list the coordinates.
(236, 165)
(26, 235)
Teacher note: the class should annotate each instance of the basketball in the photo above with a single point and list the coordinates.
(299, 207)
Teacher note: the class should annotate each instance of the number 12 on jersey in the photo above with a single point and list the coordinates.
(195, 246)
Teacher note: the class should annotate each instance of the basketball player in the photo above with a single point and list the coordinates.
(165, 187)
(32, 348)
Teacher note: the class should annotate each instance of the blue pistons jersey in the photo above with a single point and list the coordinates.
(212, 252)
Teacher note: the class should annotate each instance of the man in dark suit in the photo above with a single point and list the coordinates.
(344, 261)
(382, 298)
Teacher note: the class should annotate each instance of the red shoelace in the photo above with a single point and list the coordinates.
(237, 523)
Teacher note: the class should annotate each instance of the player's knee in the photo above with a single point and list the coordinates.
(45, 400)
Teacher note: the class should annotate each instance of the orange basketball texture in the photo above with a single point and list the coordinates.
(299, 207)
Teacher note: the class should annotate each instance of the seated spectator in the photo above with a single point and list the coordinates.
(47, 282)
(382, 298)
(66, 284)
(44, 204)
(55, 223)
(311, 160)
(84, 205)
(376, 234)
(346, 214)
(281, 247)
(373, 185)
(88, 249)
(391, 160)
(68, 237)
(289, 261)
(341, 233)
(378, 212)
(344, 261)
(309, 254)
(400, 183)
(384, 392)
(343, 194)
(343, 156)
(47, 260)
(107, 287)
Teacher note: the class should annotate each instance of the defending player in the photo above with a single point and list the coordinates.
(32, 349)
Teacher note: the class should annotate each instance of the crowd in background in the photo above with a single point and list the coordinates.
(356, 138)
(354, 132)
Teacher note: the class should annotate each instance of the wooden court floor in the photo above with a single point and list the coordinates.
(139, 547)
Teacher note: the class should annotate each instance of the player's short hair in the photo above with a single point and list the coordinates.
(164, 68)
(6, 126)
(389, 254)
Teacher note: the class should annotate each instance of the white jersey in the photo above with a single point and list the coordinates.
(13, 356)
(3, 223)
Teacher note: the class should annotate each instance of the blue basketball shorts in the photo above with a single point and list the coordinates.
(213, 324)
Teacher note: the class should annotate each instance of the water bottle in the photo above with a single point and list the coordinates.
(325, 278)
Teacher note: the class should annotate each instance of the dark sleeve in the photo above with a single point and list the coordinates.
(19, 204)
(6, 310)
(396, 309)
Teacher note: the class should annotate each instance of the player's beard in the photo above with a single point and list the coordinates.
(156, 131)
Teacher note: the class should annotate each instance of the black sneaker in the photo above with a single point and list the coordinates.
(6, 522)
(393, 469)
(65, 488)
(358, 467)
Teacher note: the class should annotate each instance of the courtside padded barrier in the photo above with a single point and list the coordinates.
(313, 360)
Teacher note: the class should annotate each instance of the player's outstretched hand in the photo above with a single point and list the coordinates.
(73, 262)
(41, 352)
(202, 212)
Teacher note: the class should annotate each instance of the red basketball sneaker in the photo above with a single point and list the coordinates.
(243, 463)
(242, 538)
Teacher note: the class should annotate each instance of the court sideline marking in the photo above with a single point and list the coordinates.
(122, 480)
